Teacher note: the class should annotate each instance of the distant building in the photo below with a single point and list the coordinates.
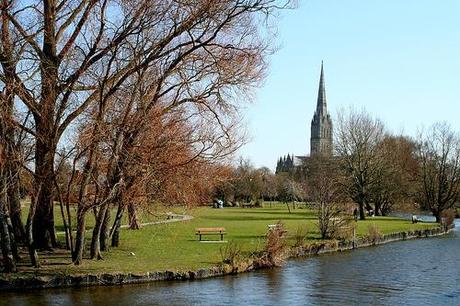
(321, 124)
(320, 136)
(285, 164)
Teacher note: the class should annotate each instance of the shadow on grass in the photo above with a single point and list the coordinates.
(60, 228)
(207, 240)
(297, 212)
(241, 238)
(250, 218)
(383, 218)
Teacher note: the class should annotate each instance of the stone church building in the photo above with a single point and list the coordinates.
(320, 132)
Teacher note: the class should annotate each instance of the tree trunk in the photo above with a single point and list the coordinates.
(438, 217)
(77, 255)
(67, 231)
(7, 142)
(5, 242)
(378, 209)
(43, 225)
(69, 218)
(30, 245)
(362, 215)
(115, 231)
(13, 243)
(132, 216)
(96, 237)
(289, 209)
(29, 235)
(105, 231)
(15, 209)
(116, 237)
(46, 134)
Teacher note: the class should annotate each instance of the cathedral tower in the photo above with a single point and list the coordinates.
(321, 124)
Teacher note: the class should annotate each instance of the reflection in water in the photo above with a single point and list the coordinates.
(425, 271)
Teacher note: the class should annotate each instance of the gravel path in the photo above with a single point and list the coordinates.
(173, 218)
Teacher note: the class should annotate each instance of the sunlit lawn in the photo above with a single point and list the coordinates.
(154, 214)
(175, 246)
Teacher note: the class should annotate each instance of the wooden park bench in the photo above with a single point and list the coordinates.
(211, 231)
(247, 205)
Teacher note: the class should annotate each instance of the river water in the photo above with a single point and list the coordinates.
(415, 272)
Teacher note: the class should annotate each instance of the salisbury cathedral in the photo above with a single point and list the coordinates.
(320, 133)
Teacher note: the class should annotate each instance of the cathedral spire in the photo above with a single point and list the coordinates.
(321, 106)
(321, 124)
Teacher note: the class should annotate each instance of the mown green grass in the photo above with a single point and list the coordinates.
(174, 246)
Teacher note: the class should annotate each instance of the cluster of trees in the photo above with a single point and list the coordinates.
(116, 103)
(381, 170)
(371, 170)
(245, 183)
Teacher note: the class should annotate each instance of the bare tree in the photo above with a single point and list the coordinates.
(247, 183)
(288, 189)
(268, 184)
(66, 50)
(325, 189)
(11, 226)
(200, 83)
(396, 174)
(438, 151)
(357, 140)
(5, 235)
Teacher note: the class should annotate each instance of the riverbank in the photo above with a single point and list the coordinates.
(112, 279)
(174, 249)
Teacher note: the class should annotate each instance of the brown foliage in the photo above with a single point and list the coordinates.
(79, 57)
(373, 233)
(274, 253)
(300, 235)
(344, 230)
(438, 152)
(231, 253)
(358, 139)
(447, 219)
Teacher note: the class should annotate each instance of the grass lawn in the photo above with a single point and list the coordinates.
(175, 246)
(90, 220)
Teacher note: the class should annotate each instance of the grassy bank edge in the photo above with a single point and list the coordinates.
(247, 265)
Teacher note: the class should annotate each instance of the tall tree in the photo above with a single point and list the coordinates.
(438, 152)
(358, 137)
(396, 174)
(71, 48)
(326, 190)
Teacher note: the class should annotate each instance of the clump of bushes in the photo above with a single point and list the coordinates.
(447, 219)
(300, 235)
(274, 253)
(344, 230)
(374, 234)
(231, 253)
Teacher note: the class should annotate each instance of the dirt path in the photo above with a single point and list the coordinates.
(173, 218)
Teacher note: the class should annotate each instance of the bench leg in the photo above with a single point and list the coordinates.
(221, 237)
(200, 237)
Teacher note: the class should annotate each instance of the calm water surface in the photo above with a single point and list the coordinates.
(417, 272)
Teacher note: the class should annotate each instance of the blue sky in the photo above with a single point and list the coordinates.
(400, 60)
